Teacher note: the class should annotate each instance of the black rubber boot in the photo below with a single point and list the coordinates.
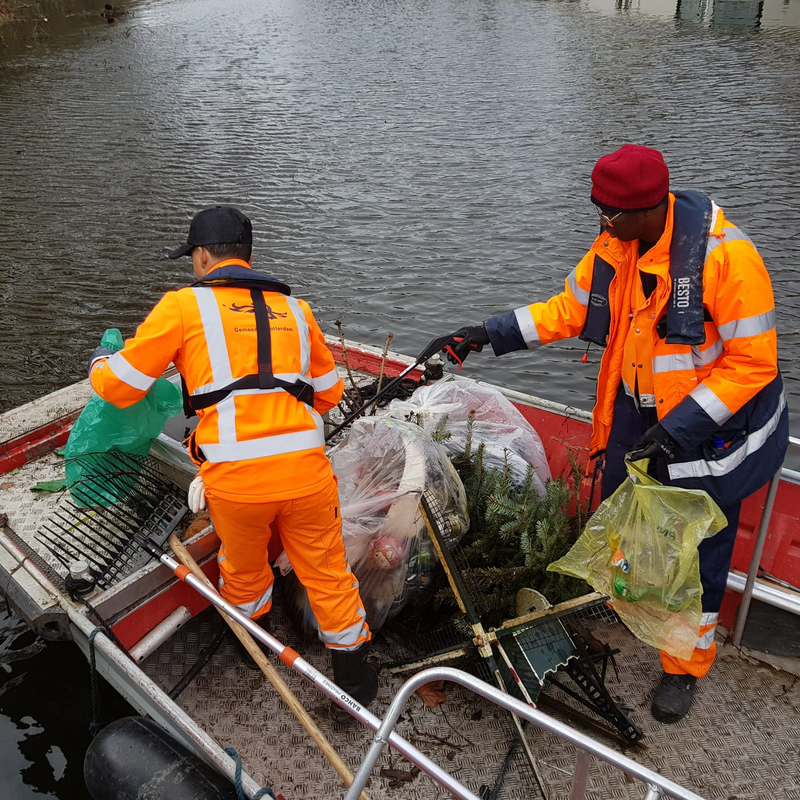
(249, 661)
(354, 675)
(673, 697)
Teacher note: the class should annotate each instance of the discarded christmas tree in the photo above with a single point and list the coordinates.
(514, 534)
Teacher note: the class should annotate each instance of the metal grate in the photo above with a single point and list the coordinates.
(118, 500)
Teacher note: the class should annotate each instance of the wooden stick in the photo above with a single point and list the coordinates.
(347, 362)
(243, 635)
(383, 367)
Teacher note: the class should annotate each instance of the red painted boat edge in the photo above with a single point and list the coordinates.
(559, 434)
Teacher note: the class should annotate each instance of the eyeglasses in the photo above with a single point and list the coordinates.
(605, 219)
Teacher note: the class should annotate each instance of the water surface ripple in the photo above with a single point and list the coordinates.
(408, 166)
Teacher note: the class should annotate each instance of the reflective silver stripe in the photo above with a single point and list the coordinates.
(214, 334)
(581, 295)
(129, 374)
(326, 381)
(715, 209)
(732, 234)
(706, 640)
(748, 326)
(527, 327)
(709, 618)
(703, 357)
(256, 605)
(673, 362)
(711, 404)
(303, 334)
(221, 370)
(716, 469)
(628, 390)
(267, 445)
(349, 638)
(226, 420)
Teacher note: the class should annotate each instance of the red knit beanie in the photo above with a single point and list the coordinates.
(631, 178)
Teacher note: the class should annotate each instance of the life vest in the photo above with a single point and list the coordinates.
(265, 377)
(687, 257)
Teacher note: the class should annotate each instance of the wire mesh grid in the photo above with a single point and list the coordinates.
(117, 500)
(451, 539)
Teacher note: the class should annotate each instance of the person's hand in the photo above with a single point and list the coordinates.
(469, 339)
(656, 443)
(197, 495)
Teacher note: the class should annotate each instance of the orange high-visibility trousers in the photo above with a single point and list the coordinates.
(702, 657)
(311, 530)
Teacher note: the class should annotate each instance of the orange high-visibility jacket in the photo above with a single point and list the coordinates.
(260, 444)
(698, 391)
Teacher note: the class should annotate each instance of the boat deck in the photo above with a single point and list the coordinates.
(739, 741)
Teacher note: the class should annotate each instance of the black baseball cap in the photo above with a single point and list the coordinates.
(218, 225)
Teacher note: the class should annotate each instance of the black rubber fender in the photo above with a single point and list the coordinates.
(134, 758)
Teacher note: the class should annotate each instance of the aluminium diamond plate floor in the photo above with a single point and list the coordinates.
(740, 740)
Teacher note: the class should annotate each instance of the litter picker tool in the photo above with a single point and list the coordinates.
(433, 347)
(185, 557)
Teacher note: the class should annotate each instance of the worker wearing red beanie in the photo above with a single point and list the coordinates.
(682, 304)
(632, 178)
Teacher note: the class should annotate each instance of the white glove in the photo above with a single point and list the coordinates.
(197, 495)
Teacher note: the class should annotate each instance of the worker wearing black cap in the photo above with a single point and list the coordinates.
(257, 372)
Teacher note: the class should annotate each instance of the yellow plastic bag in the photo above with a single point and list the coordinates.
(640, 548)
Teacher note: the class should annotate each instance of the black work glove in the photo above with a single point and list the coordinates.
(656, 443)
(464, 341)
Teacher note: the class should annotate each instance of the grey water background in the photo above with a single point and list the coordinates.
(409, 166)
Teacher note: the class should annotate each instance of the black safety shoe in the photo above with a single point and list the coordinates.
(354, 675)
(249, 661)
(673, 697)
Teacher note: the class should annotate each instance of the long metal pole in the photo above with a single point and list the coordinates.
(758, 549)
(771, 595)
(384, 734)
(295, 661)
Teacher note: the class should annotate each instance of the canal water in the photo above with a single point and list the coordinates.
(409, 167)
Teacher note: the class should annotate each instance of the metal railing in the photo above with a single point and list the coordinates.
(749, 589)
(657, 786)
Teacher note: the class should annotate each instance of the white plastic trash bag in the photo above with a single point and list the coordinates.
(508, 438)
(384, 466)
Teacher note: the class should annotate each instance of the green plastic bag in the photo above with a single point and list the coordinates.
(640, 548)
(102, 428)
